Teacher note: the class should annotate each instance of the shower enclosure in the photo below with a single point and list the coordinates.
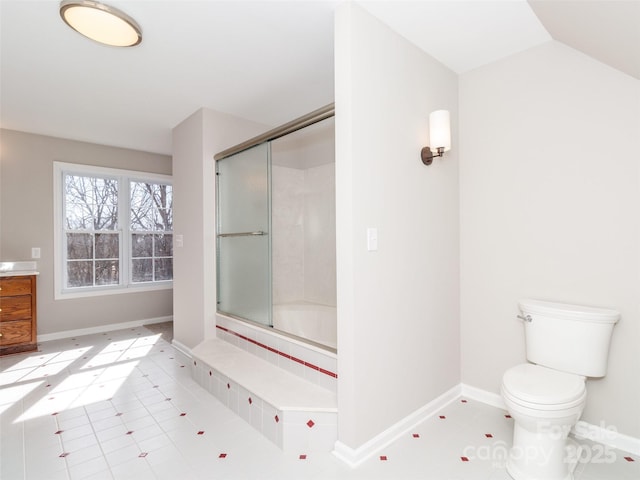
(276, 230)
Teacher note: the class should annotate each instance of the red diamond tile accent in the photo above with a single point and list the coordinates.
(310, 424)
(143, 454)
(463, 401)
(58, 432)
(222, 455)
(118, 414)
(507, 416)
(155, 386)
(629, 459)
(209, 372)
(168, 399)
(62, 455)
(416, 435)
(276, 418)
(182, 414)
(201, 432)
(250, 401)
(129, 432)
(47, 386)
(488, 435)
(442, 417)
(464, 459)
(228, 386)
(383, 458)
(54, 413)
(302, 457)
(194, 363)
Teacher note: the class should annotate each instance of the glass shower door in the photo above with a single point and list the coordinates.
(243, 240)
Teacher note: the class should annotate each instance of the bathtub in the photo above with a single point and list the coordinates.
(311, 321)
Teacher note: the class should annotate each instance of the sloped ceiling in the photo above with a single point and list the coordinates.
(608, 31)
(264, 60)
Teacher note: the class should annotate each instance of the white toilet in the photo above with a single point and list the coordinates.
(565, 344)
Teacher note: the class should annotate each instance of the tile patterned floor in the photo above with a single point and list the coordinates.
(122, 405)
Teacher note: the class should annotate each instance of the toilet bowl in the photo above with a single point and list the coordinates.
(544, 404)
(564, 345)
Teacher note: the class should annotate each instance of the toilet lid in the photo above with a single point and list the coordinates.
(540, 385)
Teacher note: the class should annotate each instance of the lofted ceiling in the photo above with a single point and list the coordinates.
(264, 60)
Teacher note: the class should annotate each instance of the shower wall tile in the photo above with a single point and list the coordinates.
(287, 226)
(320, 235)
(304, 235)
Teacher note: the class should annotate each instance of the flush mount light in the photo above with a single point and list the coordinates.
(101, 23)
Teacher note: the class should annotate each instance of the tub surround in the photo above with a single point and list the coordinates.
(283, 387)
(310, 321)
(290, 411)
(309, 362)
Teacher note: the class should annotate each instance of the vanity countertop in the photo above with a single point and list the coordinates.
(12, 269)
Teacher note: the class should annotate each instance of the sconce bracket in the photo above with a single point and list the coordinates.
(427, 155)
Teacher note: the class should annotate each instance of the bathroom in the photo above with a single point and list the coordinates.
(460, 242)
(532, 201)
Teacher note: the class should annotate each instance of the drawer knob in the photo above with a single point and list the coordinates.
(0, 335)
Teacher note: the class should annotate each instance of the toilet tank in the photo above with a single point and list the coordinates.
(569, 338)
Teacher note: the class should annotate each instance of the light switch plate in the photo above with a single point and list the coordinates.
(372, 239)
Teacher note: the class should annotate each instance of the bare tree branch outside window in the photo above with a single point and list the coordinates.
(152, 231)
(93, 231)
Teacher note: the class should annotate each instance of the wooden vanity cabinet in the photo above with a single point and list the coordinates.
(18, 314)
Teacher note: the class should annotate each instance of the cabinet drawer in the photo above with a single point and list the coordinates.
(15, 308)
(10, 286)
(15, 332)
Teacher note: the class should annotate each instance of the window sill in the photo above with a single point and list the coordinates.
(114, 290)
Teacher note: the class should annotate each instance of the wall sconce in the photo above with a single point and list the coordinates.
(101, 23)
(439, 136)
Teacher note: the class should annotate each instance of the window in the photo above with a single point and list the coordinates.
(114, 230)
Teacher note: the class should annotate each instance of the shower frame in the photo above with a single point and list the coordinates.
(309, 119)
(316, 116)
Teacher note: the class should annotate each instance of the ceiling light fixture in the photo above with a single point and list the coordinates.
(101, 23)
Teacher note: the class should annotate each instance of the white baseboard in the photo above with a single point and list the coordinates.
(102, 328)
(354, 457)
(601, 434)
(181, 347)
(483, 396)
(607, 436)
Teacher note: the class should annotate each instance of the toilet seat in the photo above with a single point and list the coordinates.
(541, 388)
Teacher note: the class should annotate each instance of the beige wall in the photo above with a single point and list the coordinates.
(550, 209)
(398, 322)
(26, 221)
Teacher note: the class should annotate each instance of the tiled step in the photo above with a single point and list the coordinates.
(290, 411)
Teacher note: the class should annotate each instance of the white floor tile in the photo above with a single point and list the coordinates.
(123, 405)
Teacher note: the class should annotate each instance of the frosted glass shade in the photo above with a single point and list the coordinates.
(439, 130)
(101, 23)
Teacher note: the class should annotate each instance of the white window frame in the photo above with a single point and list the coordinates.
(124, 177)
